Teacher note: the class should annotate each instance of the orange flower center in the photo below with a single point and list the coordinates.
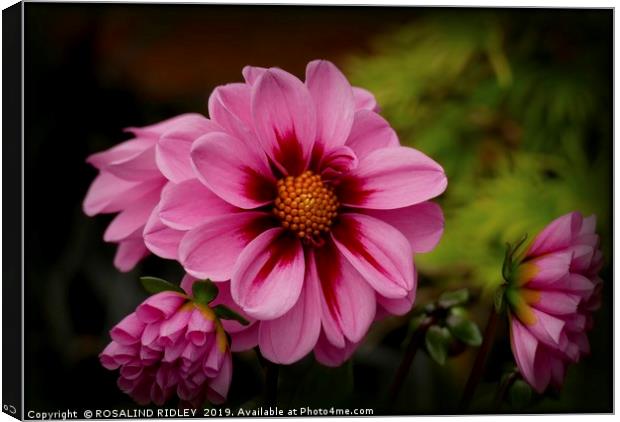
(306, 205)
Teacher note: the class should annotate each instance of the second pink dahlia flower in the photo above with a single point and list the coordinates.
(171, 346)
(551, 298)
(131, 178)
(304, 200)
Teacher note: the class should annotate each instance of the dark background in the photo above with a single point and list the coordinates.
(90, 71)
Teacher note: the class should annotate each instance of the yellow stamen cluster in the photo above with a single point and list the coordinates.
(305, 205)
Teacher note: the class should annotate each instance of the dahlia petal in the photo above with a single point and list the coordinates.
(150, 334)
(149, 356)
(571, 283)
(115, 355)
(547, 329)
(422, 224)
(370, 132)
(109, 194)
(188, 204)
(128, 331)
(337, 161)
(252, 73)
(161, 239)
(364, 100)
(245, 339)
(588, 225)
(557, 303)
(197, 328)
(524, 346)
(160, 306)
(378, 180)
(550, 269)
(229, 106)
(348, 302)
(557, 235)
(175, 327)
(380, 253)
(157, 129)
(542, 370)
(173, 351)
(330, 355)
(234, 170)
(212, 249)
(139, 167)
(284, 119)
(292, 336)
(581, 259)
(333, 100)
(214, 360)
(558, 371)
(119, 153)
(218, 387)
(172, 152)
(129, 252)
(131, 371)
(397, 306)
(131, 219)
(269, 274)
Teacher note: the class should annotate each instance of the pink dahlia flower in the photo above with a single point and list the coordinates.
(130, 181)
(171, 345)
(555, 290)
(304, 200)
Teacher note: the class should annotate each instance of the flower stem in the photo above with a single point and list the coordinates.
(271, 383)
(417, 338)
(478, 368)
(501, 391)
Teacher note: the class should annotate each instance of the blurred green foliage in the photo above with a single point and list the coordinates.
(516, 106)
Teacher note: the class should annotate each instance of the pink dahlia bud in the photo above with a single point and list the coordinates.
(130, 182)
(170, 346)
(551, 295)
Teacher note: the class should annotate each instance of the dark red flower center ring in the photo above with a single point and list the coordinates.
(306, 206)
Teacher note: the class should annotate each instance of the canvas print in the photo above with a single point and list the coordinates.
(237, 210)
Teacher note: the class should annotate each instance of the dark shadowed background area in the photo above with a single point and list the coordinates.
(515, 104)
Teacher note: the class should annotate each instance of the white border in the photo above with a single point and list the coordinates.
(480, 3)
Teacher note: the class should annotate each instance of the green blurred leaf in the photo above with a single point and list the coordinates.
(459, 311)
(204, 291)
(437, 341)
(456, 297)
(465, 330)
(155, 285)
(520, 394)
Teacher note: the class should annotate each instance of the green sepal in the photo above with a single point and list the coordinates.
(224, 312)
(499, 299)
(155, 285)
(465, 330)
(453, 298)
(437, 341)
(204, 291)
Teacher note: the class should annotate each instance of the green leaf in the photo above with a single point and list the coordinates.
(459, 311)
(437, 341)
(465, 330)
(204, 291)
(456, 297)
(520, 394)
(156, 285)
(225, 312)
